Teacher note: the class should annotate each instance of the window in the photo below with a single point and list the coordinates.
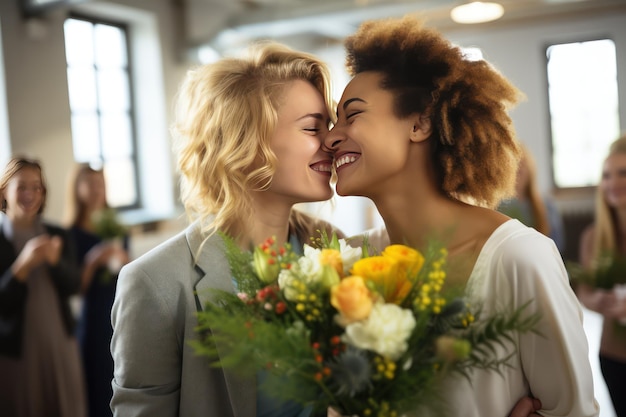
(584, 113)
(101, 105)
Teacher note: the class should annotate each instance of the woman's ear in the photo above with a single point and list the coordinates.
(422, 128)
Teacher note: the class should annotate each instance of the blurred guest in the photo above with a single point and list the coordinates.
(97, 235)
(531, 207)
(603, 248)
(40, 370)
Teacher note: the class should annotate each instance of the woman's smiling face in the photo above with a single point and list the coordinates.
(613, 183)
(303, 170)
(370, 143)
(24, 194)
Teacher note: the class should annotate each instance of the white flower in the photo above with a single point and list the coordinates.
(349, 255)
(286, 282)
(385, 331)
(309, 264)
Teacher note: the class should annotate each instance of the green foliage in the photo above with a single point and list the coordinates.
(609, 271)
(497, 330)
(241, 266)
(107, 225)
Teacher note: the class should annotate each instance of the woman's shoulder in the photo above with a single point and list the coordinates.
(514, 242)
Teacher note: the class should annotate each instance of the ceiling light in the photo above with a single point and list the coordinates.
(477, 12)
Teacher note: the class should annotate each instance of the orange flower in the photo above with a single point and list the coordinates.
(383, 273)
(352, 298)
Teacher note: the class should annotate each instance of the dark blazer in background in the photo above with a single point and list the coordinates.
(13, 294)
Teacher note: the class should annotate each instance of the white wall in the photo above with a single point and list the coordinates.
(5, 145)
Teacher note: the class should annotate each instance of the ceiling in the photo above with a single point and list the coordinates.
(227, 25)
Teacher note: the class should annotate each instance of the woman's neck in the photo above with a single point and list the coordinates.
(264, 222)
(22, 223)
(413, 219)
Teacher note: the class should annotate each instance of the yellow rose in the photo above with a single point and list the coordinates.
(383, 273)
(352, 299)
(408, 259)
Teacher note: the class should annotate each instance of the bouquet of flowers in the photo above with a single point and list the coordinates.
(609, 271)
(108, 227)
(366, 335)
(609, 274)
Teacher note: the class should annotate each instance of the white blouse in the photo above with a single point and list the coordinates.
(518, 264)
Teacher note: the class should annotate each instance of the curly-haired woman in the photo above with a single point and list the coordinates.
(424, 133)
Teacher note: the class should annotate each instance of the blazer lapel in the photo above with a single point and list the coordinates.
(214, 271)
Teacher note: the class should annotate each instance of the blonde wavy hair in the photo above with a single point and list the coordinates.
(605, 223)
(475, 150)
(226, 114)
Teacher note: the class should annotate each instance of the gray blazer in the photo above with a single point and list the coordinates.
(157, 374)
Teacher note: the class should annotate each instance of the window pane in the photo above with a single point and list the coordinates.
(116, 135)
(78, 42)
(85, 137)
(584, 112)
(100, 103)
(82, 88)
(113, 90)
(110, 46)
(120, 180)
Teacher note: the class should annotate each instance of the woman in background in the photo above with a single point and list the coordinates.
(602, 241)
(100, 255)
(425, 134)
(529, 206)
(40, 370)
(249, 132)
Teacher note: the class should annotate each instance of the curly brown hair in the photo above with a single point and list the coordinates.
(475, 149)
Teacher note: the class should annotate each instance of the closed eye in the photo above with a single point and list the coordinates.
(352, 114)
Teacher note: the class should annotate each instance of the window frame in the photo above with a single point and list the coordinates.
(137, 204)
(578, 191)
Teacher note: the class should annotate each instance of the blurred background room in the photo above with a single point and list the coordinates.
(94, 81)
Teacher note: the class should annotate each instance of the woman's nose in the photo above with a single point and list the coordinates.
(333, 139)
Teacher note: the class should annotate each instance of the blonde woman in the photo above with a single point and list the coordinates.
(607, 237)
(249, 133)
